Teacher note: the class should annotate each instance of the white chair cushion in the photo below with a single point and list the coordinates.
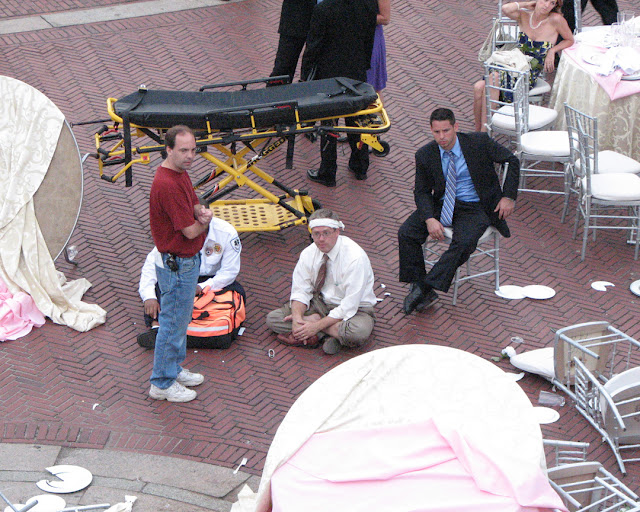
(538, 361)
(546, 143)
(541, 87)
(539, 117)
(615, 187)
(610, 161)
(448, 233)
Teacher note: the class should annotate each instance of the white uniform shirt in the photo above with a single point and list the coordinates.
(220, 258)
(349, 280)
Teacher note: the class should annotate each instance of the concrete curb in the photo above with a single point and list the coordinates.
(159, 482)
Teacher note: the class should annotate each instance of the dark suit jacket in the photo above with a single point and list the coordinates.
(480, 152)
(295, 17)
(340, 39)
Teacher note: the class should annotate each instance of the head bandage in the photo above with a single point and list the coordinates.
(329, 223)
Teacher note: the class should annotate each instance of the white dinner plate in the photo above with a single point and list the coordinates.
(601, 286)
(545, 415)
(592, 57)
(635, 287)
(537, 291)
(635, 76)
(510, 292)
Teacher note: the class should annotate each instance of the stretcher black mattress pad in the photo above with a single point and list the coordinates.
(229, 110)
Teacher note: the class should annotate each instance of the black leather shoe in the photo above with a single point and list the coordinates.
(429, 300)
(147, 339)
(314, 175)
(415, 297)
(360, 175)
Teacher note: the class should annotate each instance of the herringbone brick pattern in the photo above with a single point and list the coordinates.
(89, 389)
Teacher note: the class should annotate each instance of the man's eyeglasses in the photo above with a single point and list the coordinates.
(322, 234)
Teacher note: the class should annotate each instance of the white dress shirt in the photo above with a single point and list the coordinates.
(220, 258)
(349, 280)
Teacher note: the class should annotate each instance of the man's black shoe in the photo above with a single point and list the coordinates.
(360, 175)
(314, 175)
(429, 300)
(415, 297)
(148, 338)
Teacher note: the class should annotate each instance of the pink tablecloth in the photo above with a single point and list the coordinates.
(416, 467)
(18, 314)
(612, 84)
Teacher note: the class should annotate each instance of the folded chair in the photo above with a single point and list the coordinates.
(601, 348)
(560, 452)
(588, 487)
(611, 408)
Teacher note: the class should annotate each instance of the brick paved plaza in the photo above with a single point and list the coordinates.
(52, 378)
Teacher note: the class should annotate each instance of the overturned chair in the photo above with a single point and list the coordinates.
(235, 130)
(592, 363)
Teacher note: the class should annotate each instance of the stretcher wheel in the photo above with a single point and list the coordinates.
(385, 149)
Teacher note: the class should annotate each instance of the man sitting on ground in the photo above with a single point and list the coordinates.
(219, 267)
(332, 295)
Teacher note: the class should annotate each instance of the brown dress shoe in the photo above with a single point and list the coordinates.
(289, 340)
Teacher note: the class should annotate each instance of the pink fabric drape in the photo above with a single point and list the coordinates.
(421, 466)
(18, 314)
(612, 84)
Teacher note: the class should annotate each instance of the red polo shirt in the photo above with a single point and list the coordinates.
(171, 203)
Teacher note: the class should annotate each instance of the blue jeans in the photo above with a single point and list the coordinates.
(177, 290)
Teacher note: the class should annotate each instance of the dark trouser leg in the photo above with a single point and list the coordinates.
(286, 61)
(469, 223)
(569, 14)
(359, 159)
(328, 154)
(411, 235)
(607, 9)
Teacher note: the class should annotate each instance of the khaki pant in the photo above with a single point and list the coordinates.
(353, 332)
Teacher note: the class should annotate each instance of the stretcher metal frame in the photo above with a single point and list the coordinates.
(239, 151)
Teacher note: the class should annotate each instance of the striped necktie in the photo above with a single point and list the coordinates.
(446, 216)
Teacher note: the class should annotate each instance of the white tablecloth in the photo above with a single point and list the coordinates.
(474, 404)
(618, 120)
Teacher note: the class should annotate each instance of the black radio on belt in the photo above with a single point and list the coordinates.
(172, 263)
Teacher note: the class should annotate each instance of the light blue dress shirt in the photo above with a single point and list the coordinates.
(465, 191)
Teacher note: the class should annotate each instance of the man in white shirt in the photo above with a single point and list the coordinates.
(332, 295)
(219, 267)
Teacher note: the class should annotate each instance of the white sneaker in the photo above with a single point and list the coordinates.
(189, 379)
(174, 393)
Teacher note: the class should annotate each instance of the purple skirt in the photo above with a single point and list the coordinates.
(377, 74)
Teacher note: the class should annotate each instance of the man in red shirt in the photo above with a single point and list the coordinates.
(179, 225)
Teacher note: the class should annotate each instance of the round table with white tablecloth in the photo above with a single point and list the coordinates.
(414, 427)
(618, 119)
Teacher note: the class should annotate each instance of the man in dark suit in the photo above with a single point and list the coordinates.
(607, 9)
(295, 19)
(339, 43)
(469, 199)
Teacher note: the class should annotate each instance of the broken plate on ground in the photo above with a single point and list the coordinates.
(510, 292)
(544, 415)
(71, 479)
(46, 503)
(537, 291)
(601, 286)
(635, 287)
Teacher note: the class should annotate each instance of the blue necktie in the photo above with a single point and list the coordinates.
(446, 216)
